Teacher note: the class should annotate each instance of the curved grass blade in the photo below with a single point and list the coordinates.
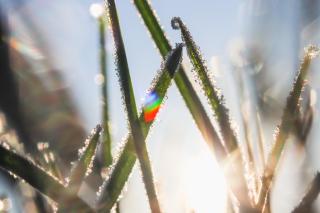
(286, 125)
(183, 83)
(112, 187)
(132, 113)
(311, 195)
(35, 176)
(83, 166)
(106, 137)
(215, 99)
(221, 112)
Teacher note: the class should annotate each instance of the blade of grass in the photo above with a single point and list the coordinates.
(112, 187)
(131, 108)
(35, 176)
(83, 166)
(212, 93)
(286, 125)
(106, 138)
(245, 109)
(80, 170)
(48, 159)
(311, 195)
(221, 112)
(184, 85)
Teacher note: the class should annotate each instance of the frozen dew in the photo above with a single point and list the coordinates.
(96, 10)
(42, 146)
(312, 51)
(104, 173)
(99, 79)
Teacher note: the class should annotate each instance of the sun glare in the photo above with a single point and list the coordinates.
(204, 184)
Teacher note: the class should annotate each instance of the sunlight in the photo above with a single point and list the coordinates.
(204, 184)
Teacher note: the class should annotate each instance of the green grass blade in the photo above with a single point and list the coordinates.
(132, 113)
(221, 112)
(184, 85)
(83, 166)
(311, 195)
(286, 124)
(47, 159)
(215, 99)
(106, 137)
(35, 176)
(112, 187)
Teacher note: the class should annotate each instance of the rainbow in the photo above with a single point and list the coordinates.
(151, 107)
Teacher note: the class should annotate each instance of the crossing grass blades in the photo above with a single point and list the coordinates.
(63, 191)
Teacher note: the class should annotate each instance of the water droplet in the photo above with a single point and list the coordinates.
(96, 10)
(99, 79)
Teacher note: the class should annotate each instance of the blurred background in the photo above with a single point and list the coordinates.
(252, 48)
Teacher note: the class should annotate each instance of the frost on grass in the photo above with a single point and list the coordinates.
(124, 162)
(213, 94)
(83, 166)
(290, 112)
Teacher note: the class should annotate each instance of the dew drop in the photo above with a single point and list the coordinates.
(96, 10)
(312, 51)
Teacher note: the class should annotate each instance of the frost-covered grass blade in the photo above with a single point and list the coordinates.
(80, 170)
(36, 177)
(183, 83)
(216, 101)
(112, 187)
(83, 166)
(106, 137)
(212, 93)
(286, 125)
(131, 108)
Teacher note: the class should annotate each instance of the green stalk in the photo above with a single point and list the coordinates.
(183, 83)
(80, 170)
(106, 137)
(215, 99)
(221, 112)
(112, 187)
(36, 177)
(132, 113)
(286, 125)
(83, 166)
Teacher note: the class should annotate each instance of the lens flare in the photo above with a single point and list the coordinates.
(25, 49)
(151, 107)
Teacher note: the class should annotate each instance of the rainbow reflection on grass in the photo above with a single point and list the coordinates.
(151, 107)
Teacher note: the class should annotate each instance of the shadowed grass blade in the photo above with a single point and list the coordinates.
(48, 159)
(112, 187)
(131, 108)
(286, 125)
(35, 176)
(106, 137)
(221, 112)
(184, 85)
(80, 170)
(83, 166)
(306, 202)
